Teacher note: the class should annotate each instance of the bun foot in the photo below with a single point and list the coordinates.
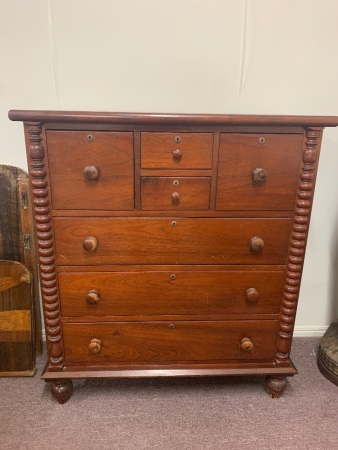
(275, 385)
(62, 390)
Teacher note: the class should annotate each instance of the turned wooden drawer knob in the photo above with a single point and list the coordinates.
(91, 172)
(246, 344)
(259, 174)
(90, 243)
(256, 244)
(95, 346)
(177, 155)
(92, 297)
(175, 198)
(252, 295)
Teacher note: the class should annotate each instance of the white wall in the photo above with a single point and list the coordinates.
(197, 56)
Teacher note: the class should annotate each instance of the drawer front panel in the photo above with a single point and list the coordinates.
(167, 241)
(176, 150)
(163, 292)
(91, 170)
(258, 176)
(180, 193)
(180, 341)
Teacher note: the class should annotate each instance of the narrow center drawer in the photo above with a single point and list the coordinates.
(176, 150)
(180, 193)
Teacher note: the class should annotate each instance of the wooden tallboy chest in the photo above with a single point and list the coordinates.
(170, 245)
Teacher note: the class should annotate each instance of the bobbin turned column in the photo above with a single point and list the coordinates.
(296, 251)
(45, 242)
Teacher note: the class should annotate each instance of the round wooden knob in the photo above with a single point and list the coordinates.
(92, 297)
(177, 155)
(91, 172)
(252, 295)
(259, 174)
(90, 243)
(95, 346)
(246, 344)
(175, 198)
(256, 244)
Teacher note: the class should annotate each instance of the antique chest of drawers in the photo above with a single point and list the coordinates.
(170, 245)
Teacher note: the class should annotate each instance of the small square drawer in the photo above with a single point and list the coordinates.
(176, 150)
(170, 193)
(91, 170)
(258, 172)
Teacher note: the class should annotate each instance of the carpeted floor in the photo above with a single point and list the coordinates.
(167, 414)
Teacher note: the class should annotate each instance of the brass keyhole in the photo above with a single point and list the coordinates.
(176, 183)
(177, 139)
(171, 326)
(90, 138)
(261, 140)
(173, 276)
(173, 223)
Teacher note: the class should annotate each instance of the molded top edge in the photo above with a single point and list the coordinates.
(168, 118)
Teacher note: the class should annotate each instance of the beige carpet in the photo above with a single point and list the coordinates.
(192, 414)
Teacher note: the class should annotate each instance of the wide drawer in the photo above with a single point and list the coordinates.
(91, 170)
(170, 241)
(175, 193)
(100, 294)
(176, 150)
(258, 172)
(178, 341)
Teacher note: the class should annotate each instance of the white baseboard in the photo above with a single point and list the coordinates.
(310, 331)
